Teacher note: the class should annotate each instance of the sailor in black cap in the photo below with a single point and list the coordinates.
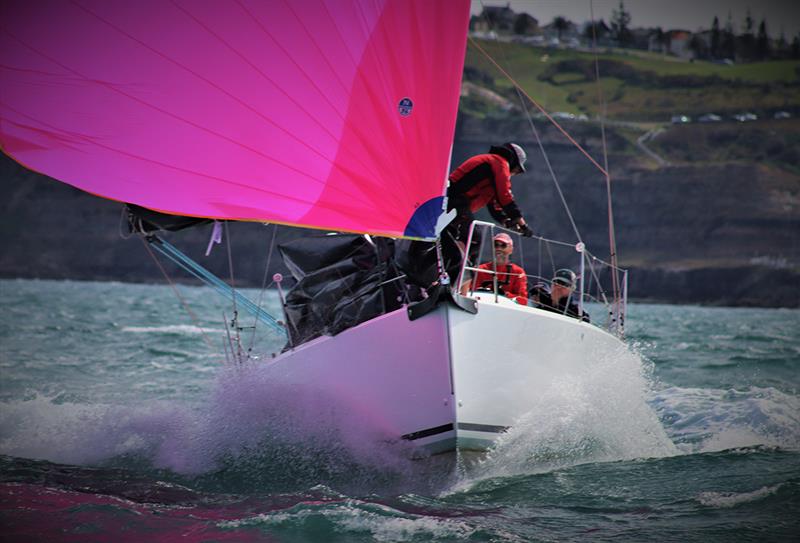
(557, 297)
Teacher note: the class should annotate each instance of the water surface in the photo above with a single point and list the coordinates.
(119, 419)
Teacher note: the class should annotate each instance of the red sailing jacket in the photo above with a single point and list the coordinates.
(510, 278)
(481, 180)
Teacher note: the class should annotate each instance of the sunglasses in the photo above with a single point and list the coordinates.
(500, 244)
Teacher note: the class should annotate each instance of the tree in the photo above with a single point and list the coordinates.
(620, 24)
(698, 46)
(658, 35)
(728, 40)
(598, 30)
(747, 40)
(561, 24)
(762, 41)
(782, 45)
(715, 38)
(524, 23)
(662, 39)
(749, 24)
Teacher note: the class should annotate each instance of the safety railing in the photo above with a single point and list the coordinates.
(594, 276)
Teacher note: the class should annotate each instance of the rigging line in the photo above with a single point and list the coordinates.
(235, 321)
(539, 268)
(601, 291)
(592, 270)
(547, 162)
(603, 262)
(529, 117)
(552, 172)
(539, 107)
(611, 234)
(177, 293)
(193, 268)
(263, 284)
(550, 257)
(522, 258)
(125, 218)
(211, 84)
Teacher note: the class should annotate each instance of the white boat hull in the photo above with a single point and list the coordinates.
(450, 379)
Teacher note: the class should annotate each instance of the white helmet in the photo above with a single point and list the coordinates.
(520, 154)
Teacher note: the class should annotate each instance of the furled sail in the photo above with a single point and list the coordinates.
(322, 113)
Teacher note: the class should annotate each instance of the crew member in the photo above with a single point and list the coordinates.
(486, 179)
(558, 296)
(511, 279)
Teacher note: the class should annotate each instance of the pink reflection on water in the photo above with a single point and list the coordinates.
(34, 513)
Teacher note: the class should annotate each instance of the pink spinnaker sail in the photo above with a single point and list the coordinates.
(321, 113)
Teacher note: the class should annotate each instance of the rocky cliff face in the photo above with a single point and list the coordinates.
(724, 233)
(720, 233)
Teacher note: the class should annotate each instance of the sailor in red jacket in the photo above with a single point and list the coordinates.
(486, 180)
(511, 279)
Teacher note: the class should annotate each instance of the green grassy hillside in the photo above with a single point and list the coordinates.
(637, 86)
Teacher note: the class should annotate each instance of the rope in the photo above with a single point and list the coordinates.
(263, 284)
(124, 218)
(546, 159)
(540, 108)
(612, 241)
(554, 178)
(207, 277)
(177, 293)
(230, 267)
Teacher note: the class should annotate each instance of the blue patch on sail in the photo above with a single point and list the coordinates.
(423, 221)
(405, 106)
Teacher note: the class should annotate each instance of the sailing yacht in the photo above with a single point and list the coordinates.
(337, 116)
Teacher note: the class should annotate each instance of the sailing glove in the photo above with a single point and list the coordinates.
(525, 230)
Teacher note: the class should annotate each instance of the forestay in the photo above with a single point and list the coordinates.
(319, 113)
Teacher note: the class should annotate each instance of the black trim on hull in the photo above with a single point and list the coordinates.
(488, 428)
(429, 432)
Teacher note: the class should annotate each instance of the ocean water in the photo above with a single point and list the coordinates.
(121, 420)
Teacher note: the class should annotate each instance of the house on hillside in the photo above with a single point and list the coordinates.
(569, 33)
(499, 18)
(478, 25)
(640, 38)
(601, 32)
(525, 25)
(673, 42)
(700, 44)
(679, 41)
